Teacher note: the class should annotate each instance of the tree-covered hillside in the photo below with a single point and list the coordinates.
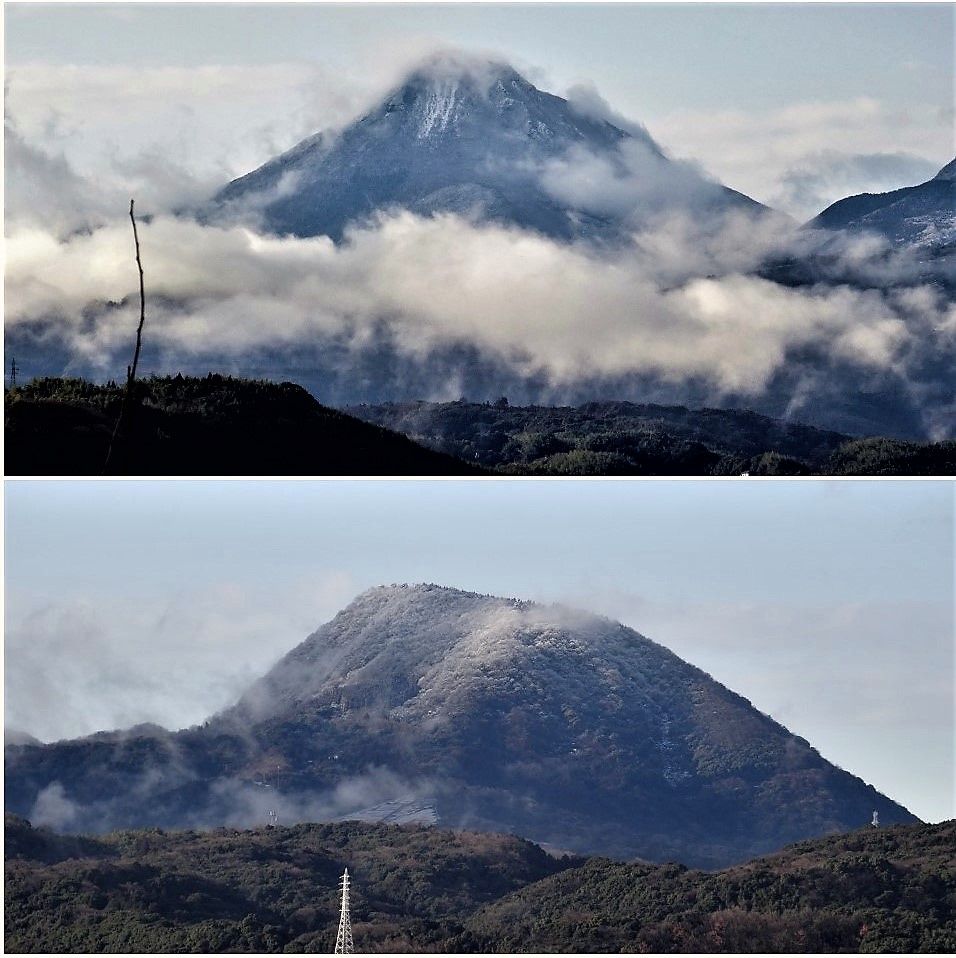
(219, 425)
(214, 425)
(266, 889)
(622, 438)
(872, 890)
(422, 889)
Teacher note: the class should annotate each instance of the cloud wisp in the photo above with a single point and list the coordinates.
(802, 157)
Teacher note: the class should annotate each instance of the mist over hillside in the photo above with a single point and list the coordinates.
(422, 703)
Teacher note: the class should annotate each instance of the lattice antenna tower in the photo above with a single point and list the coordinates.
(273, 816)
(343, 940)
(876, 820)
(14, 369)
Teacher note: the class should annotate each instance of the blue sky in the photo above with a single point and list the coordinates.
(828, 604)
(784, 542)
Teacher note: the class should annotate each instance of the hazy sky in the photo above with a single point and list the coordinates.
(796, 105)
(828, 604)
(665, 55)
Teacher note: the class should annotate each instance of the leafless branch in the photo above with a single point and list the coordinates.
(142, 302)
(130, 370)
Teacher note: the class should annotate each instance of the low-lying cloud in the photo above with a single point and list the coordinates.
(375, 794)
(680, 305)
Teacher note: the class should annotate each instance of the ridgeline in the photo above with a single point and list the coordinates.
(215, 425)
(221, 425)
(643, 439)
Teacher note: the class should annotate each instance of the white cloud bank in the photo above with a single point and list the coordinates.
(803, 157)
(679, 306)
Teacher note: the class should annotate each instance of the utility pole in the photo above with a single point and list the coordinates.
(343, 940)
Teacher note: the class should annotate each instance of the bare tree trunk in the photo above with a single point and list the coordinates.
(130, 370)
(142, 301)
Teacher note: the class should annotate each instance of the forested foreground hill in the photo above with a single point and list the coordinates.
(872, 890)
(421, 889)
(623, 438)
(211, 425)
(220, 425)
(266, 889)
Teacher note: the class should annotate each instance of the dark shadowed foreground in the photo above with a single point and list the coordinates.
(421, 889)
(216, 425)
(219, 425)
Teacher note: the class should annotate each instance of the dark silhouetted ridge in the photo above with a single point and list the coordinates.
(212, 425)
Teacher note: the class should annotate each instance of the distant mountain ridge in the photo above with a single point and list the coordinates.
(922, 215)
(458, 135)
(493, 714)
(200, 425)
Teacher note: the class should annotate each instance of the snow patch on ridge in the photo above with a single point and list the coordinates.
(438, 107)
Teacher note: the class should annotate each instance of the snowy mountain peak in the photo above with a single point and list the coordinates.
(448, 91)
(459, 135)
(441, 640)
(439, 107)
(472, 75)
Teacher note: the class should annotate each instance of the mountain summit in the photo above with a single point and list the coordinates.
(422, 703)
(464, 136)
